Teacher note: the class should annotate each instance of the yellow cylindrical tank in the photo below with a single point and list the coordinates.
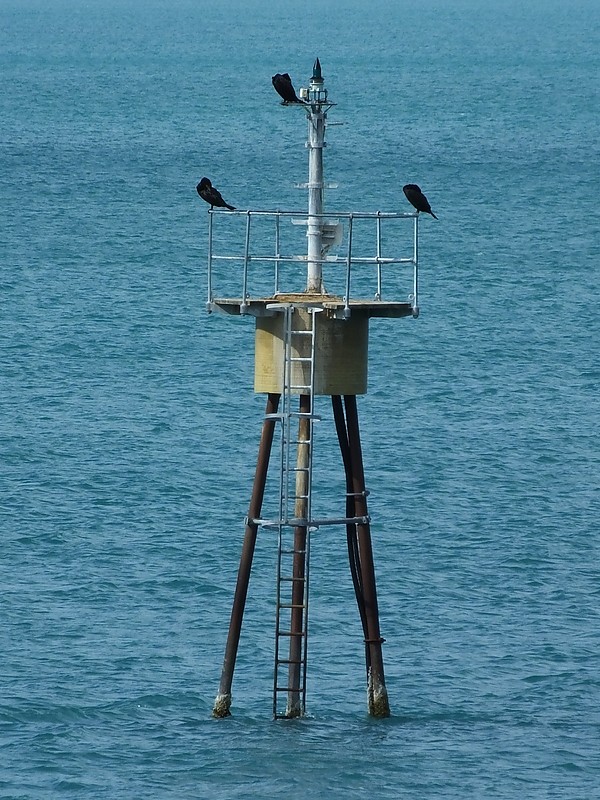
(341, 352)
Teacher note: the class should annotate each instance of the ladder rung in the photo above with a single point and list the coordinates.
(291, 633)
(293, 689)
(292, 470)
(292, 551)
(289, 579)
(292, 605)
(283, 415)
(300, 386)
(302, 359)
(288, 661)
(297, 522)
(287, 522)
(301, 333)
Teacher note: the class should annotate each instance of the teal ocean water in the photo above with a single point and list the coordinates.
(129, 429)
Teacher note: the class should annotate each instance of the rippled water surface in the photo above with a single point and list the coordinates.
(129, 429)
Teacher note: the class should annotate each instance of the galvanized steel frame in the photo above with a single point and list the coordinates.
(277, 258)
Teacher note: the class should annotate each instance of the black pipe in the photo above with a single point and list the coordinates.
(351, 535)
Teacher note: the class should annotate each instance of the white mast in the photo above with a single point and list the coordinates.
(317, 115)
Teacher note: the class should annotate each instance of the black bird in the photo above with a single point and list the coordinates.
(416, 198)
(283, 87)
(208, 192)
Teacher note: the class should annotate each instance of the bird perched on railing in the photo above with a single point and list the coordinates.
(212, 196)
(416, 198)
(284, 88)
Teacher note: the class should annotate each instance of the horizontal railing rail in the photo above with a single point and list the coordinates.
(304, 214)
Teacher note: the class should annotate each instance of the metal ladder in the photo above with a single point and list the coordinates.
(293, 552)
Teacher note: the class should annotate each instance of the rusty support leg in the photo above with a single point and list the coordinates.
(223, 699)
(377, 692)
(298, 612)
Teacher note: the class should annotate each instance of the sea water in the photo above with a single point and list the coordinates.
(129, 428)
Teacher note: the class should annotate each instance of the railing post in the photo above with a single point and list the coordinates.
(348, 265)
(378, 293)
(244, 304)
(209, 277)
(277, 251)
(415, 301)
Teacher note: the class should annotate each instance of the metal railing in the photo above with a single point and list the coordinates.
(246, 255)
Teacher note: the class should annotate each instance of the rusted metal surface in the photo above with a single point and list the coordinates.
(377, 693)
(223, 699)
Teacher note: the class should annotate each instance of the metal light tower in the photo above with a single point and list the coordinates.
(309, 344)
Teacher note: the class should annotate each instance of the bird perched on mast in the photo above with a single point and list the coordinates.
(416, 198)
(212, 196)
(284, 88)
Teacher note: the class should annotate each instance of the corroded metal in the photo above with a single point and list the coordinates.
(223, 699)
(376, 690)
